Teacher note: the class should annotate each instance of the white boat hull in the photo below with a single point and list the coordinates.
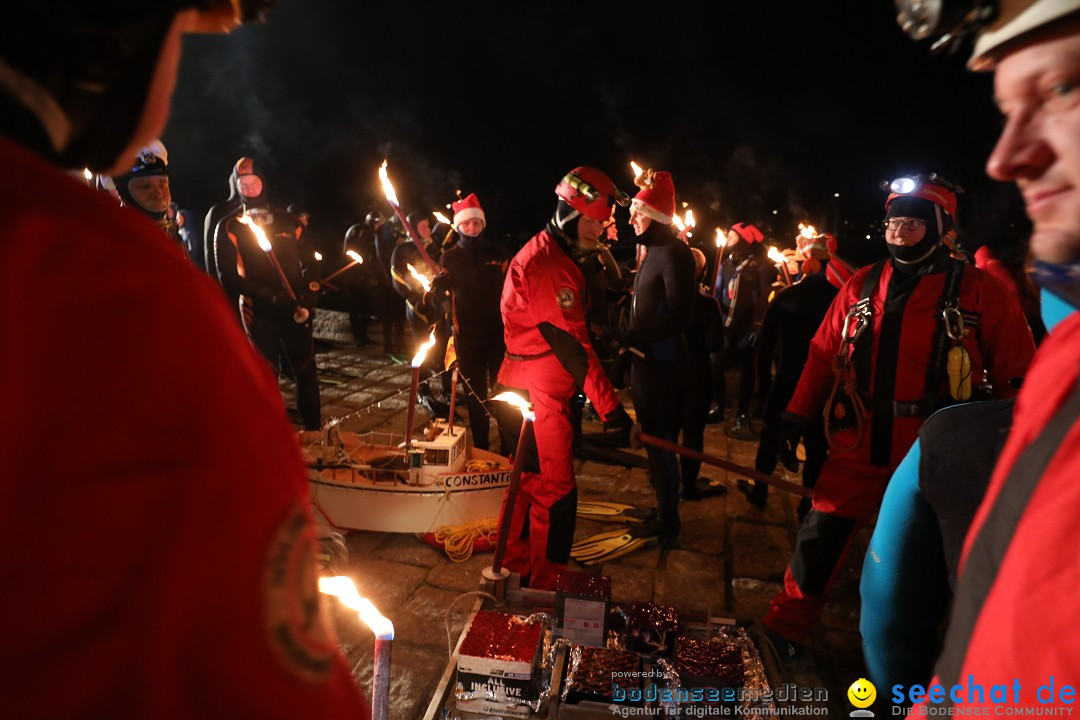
(351, 501)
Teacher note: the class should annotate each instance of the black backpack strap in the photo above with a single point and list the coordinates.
(949, 302)
(863, 345)
(988, 550)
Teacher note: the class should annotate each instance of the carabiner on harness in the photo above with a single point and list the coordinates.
(954, 322)
(857, 320)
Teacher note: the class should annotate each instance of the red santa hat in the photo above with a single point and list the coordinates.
(838, 271)
(468, 209)
(749, 233)
(656, 199)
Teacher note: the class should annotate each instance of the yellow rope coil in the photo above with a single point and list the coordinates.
(458, 540)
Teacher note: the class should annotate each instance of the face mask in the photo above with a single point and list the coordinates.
(914, 254)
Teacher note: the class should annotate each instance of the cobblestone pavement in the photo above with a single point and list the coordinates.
(729, 560)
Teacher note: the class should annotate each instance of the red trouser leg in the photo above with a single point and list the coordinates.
(847, 493)
(542, 525)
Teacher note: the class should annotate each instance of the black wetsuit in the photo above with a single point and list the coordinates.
(392, 305)
(703, 337)
(661, 313)
(360, 285)
(214, 216)
(743, 292)
(246, 271)
(607, 311)
(472, 275)
(420, 317)
(791, 320)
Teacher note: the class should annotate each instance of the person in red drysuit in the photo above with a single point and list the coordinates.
(549, 358)
(1013, 618)
(899, 372)
(155, 539)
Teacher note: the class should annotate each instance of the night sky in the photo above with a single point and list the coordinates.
(773, 107)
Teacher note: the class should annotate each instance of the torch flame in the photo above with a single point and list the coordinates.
(420, 278)
(679, 223)
(636, 168)
(87, 174)
(418, 358)
(344, 589)
(260, 236)
(776, 256)
(442, 218)
(690, 221)
(318, 256)
(808, 231)
(387, 186)
(355, 256)
(721, 238)
(519, 402)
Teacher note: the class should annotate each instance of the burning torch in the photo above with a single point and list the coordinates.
(781, 262)
(528, 416)
(419, 277)
(301, 315)
(345, 590)
(417, 361)
(391, 197)
(356, 260)
(450, 227)
(721, 243)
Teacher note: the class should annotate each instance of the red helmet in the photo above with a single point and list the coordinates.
(591, 192)
(932, 188)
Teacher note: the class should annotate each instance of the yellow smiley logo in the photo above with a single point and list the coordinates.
(862, 693)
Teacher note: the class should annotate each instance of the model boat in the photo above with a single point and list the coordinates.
(372, 481)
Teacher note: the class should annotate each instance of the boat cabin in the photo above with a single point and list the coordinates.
(443, 448)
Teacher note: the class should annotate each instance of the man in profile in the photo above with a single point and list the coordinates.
(1014, 614)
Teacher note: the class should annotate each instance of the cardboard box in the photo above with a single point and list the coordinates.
(497, 664)
(581, 605)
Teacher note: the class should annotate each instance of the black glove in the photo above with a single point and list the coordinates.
(792, 429)
(752, 338)
(617, 427)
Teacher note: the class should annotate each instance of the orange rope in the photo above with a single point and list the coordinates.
(845, 377)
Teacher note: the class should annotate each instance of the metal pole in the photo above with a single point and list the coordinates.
(415, 238)
(662, 444)
(380, 684)
(524, 438)
(453, 401)
(412, 406)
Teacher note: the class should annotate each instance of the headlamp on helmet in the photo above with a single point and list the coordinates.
(934, 189)
(996, 24)
(590, 192)
(949, 20)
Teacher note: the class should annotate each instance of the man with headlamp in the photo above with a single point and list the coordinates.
(904, 337)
